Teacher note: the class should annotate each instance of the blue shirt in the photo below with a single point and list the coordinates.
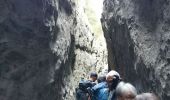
(100, 91)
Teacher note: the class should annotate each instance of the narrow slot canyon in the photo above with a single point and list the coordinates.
(48, 46)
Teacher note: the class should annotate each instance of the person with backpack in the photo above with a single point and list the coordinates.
(100, 91)
(83, 92)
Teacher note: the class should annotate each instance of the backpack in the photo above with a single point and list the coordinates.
(83, 91)
(103, 94)
(81, 95)
(100, 91)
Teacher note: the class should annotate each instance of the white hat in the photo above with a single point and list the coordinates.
(112, 73)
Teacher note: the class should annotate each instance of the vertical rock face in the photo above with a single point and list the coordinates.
(41, 45)
(35, 46)
(137, 35)
(90, 52)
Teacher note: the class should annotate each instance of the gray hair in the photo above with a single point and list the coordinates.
(125, 88)
(146, 96)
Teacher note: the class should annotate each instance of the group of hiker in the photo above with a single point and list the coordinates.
(109, 87)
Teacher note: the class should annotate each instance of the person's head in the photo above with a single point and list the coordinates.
(146, 96)
(125, 91)
(112, 79)
(101, 78)
(93, 76)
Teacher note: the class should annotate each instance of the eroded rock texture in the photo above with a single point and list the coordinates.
(90, 52)
(137, 34)
(40, 41)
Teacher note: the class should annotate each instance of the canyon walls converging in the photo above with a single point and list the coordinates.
(46, 46)
(138, 41)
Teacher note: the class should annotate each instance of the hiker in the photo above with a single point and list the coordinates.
(112, 78)
(100, 91)
(83, 92)
(101, 78)
(93, 76)
(146, 96)
(125, 91)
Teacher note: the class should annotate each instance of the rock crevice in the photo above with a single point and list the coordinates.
(46, 46)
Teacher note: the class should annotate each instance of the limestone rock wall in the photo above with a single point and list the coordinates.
(90, 52)
(137, 34)
(42, 45)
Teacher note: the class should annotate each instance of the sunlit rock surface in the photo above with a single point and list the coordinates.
(46, 46)
(138, 41)
(90, 50)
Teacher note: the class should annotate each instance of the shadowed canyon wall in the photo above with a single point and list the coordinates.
(138, 41)
(46, 46)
